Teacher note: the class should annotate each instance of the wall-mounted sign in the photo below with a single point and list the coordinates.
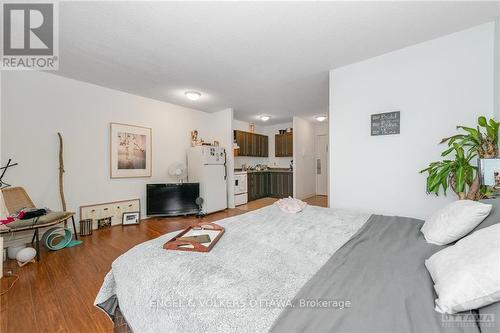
(386, 123)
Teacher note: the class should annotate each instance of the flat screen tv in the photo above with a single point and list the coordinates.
(172, 199)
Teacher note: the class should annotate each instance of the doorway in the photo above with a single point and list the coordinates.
(321, 164)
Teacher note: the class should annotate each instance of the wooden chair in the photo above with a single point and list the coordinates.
(15, 199)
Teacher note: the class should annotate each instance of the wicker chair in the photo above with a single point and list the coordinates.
(15, 199)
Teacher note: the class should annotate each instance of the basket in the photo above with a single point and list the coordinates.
(86, 227)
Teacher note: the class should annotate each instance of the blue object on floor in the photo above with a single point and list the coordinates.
(58, 238)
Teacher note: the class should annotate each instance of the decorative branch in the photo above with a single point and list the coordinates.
(61, 172)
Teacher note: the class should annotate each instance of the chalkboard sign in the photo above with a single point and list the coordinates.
(386, 123)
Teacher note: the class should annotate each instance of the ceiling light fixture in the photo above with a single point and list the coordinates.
(265, 118)
(192, 95)
(320, 118)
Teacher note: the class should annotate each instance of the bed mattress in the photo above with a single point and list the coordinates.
(242, 285)
(380, 271)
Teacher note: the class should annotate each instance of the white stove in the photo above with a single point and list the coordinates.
(240, 188)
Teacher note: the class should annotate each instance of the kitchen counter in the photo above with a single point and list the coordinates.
(287, 170)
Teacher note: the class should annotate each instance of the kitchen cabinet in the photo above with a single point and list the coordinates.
(281, 184)
(283, 145)
(273, 184)
(251, 144)
(258, 185)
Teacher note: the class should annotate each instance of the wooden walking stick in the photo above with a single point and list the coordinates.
(61, 175)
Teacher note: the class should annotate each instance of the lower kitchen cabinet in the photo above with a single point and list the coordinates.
(269, 184)
(281, 184)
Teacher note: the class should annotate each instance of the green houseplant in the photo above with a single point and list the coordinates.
(456, 171)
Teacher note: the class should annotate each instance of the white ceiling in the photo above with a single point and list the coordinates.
(256, 57)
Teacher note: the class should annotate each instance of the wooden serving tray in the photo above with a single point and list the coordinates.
(213, 230)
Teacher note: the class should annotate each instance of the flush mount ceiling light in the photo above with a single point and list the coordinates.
(320, 118)
(265, 118)
(192, 95)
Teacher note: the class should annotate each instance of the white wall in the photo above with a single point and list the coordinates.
(321, 128)
(437, 85)
(36, 105)
(304, 172)
(497, 69)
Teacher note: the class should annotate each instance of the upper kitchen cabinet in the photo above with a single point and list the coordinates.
(283, 145)
(251, 144)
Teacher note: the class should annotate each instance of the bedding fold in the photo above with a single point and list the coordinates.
(380, 273)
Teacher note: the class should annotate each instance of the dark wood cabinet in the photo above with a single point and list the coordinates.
(283, 145)
(257, 185)
(281, 184)
(251, 144)
(269, 184)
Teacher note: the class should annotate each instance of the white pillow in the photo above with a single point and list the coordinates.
(467, 275)
(454, 221)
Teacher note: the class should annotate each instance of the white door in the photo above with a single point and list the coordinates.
(321, 165)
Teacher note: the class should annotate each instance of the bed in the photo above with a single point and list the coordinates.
(320, 270)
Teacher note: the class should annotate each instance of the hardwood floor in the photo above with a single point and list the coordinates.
(57, 293)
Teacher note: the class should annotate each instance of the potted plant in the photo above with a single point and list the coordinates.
(457, 173)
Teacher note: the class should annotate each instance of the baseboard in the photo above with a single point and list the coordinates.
(306, 196)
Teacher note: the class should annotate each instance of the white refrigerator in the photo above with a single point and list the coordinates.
(207, 166)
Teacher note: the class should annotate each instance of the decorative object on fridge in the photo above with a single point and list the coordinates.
(86, 227)
(4, 169)
(131, 218)
(131, 151)
(178, 171)
(387, 123)
(194, 138)
(25, 256)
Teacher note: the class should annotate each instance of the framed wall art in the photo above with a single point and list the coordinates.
(489, 174)
(131, 218)
(130, 150)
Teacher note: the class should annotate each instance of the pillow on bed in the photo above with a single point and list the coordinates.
(494, 216)
(467, 275)
(454, 221)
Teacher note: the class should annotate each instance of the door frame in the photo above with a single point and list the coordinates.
(327, 162)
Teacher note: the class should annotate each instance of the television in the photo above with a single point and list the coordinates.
(172, 199)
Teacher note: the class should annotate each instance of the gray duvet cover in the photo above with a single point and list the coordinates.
(376, 282)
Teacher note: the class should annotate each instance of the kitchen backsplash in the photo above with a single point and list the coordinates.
(273, 162)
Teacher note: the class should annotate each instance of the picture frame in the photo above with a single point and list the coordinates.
(104, 222)
(489, 174)
(131, 218)
(130, 151)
